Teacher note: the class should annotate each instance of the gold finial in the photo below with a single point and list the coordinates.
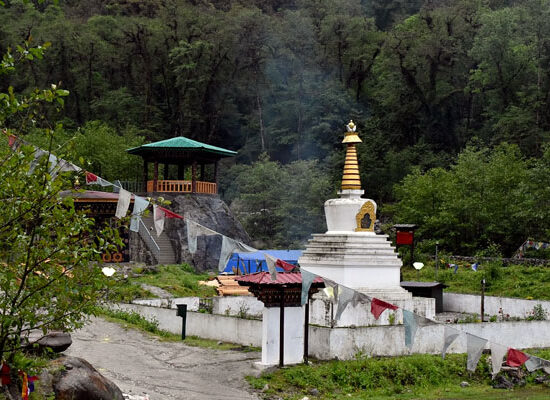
(351, 136)
(351, 179)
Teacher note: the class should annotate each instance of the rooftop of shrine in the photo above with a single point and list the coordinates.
(180, 165)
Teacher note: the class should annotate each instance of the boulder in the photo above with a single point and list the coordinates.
(55, 341)
(209, 211)
(77, 379)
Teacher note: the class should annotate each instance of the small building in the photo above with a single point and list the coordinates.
(189, 166)
(432, 290)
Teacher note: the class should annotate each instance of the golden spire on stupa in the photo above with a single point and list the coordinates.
(351, 179)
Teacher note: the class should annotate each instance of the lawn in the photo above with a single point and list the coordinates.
(417, 376)
(178, 280)
(526, 282)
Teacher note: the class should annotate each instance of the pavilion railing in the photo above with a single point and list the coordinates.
(177, 186)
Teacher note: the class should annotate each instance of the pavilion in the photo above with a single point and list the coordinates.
(183, 153)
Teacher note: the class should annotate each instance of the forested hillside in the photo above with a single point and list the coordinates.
(420, 79)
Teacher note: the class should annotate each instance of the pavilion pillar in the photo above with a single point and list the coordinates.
(181, 172)
(194, 177)
(155, 176)
(145, 174)
(165, 175)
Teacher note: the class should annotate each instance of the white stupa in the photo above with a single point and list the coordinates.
(350, 252)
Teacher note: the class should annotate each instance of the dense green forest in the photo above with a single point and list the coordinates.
(277, 81)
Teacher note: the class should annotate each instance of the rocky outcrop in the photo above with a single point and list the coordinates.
(211, 212)
(76, 379)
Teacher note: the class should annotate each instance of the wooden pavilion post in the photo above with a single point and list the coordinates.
(194, 177)
(145, 174)
(155, 176)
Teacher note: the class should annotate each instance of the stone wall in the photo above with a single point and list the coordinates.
(468, 303)
(138, 250)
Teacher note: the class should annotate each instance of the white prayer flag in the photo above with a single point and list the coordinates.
(140, 204)
(272, 267)
(450, 336)
(474, 348)
(158, 219)
(498, 352)
(229, 246)
(124, 198)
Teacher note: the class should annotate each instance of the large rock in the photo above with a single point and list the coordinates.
(76, 379)
(211, 212)
(55, 341)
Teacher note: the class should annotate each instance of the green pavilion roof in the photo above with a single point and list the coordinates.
(180, 144)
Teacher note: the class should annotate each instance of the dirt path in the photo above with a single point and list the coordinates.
(140, 365)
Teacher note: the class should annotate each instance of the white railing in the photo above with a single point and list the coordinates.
(149, 240)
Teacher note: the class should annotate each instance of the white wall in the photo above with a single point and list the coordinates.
(469, 303)
(344, 343)
(236, 305)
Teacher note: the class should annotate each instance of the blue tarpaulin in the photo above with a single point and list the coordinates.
(248, 263)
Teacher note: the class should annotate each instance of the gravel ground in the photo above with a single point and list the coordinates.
(144, 367)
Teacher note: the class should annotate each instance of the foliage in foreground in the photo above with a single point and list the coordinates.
(527, 282)
(413, 377)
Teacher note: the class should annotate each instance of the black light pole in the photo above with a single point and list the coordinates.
(436, 260)
(482, 300)
(306, 332)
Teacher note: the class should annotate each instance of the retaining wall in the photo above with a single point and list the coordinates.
(469, 303)
(345, 343)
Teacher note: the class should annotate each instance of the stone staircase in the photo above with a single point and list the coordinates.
(165, 254)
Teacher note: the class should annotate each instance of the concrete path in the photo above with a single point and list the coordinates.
(141, 365)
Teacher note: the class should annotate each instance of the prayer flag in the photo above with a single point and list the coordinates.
(410, 328)
(229, 246)
(5, 374)
(377, 307)
(92, 179)
(271, 261)
(455, 266)
(534, 363)
(287, 267)
(24, 387)
(12, 141)
(140, 204)
(498, 352)
(412, 322)
(475, 266)
(158, 219)
(334, 287)
(31, 380)
(345, 296)
(171, 214)
(474, 348)
(194, 230)
(124, 198)
(516, 358)
(450, 335)
(307, 280)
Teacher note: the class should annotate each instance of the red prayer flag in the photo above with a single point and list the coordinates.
(377, 307)
(11, 140)
(24, 387)
(516, 358)
(170, 214)
(90, 178)
(5, 374)
(287, 267)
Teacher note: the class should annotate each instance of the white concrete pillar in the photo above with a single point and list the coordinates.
(293, 336)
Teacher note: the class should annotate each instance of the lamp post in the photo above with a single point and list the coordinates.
(436, 259)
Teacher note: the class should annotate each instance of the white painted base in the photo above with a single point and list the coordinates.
(293, 335)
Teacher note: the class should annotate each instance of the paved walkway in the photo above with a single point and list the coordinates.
(141, 365)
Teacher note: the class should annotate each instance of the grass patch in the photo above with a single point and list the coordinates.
(526, 282)
(178, 280)
(132, 319)
(417, 376)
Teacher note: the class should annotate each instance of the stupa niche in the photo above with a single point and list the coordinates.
(350, 252)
